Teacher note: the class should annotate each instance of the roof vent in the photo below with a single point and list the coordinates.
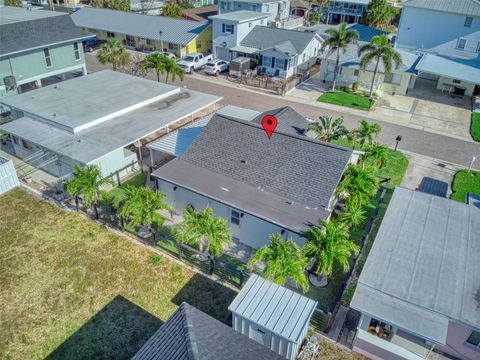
(243, 161)
(289, 202)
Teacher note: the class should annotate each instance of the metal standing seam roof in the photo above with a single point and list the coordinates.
(468, 71)
(282, 311)
(424, 267)
(463, 7)
(240, 16)
(175, 31)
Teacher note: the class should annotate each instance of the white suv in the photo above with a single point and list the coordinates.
(215, 67)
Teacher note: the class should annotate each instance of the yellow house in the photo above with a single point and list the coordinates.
(149, 32)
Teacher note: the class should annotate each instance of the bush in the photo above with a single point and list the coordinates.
(475, 126)
(355, 86)
(155, 260)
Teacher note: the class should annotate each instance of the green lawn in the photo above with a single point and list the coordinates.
(347, 99)
(73, 290)
(475, 126)
(137, 181)
(463, 182)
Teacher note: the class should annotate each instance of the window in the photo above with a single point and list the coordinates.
(173, 47)
(455, 81)
(267, 61)
(461, 44)
(279, 63)
(356, 72)
(235, 217)
(27, 144)
(474, 339)
(15, 139)
(110, 34)
(394, 79)
(48, 58)
(267, 8)
(227, 28)
(76, 50)
(468, 21)
(199, 43)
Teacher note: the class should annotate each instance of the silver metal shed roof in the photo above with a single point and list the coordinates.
(423, 269)
(464, 7)
(468, 71)
(277, 309)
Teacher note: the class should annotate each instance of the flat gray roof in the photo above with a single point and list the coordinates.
(241, 15)
(11, 14)
(96, 141)
(276, 308)
(468, 71)
(423, 269)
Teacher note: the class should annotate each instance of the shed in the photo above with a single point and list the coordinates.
(239, 66)
(272, 315)
(8, 175)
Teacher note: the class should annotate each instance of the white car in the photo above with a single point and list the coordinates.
(215, 67)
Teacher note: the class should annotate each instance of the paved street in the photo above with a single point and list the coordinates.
(417, 141)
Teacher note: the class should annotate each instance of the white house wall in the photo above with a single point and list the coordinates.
(253, 231)
(110, 163)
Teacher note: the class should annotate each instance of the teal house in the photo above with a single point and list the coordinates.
(37, 48)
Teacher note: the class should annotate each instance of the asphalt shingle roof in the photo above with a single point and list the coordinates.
(463, 7)
(190, 334)
(19, 36)
(289, 121)
(263, 37)
(175, 31)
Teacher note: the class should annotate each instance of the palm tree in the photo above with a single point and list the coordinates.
(354, 214)
(155, 61)
(140, 207)
(366, 132)
(113, 52)
(283, 260)
(376, 154)
(358, 184)
(172, 69)
(339, 40)
(89, 183)
(329, 244)
(172, 9)
(328, 129)
(379, 49)
(201, 226)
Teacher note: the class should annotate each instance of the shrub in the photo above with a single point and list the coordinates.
(355, 86)
(475, 126)
(155, 260)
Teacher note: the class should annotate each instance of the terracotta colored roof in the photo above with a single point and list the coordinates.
(200, 14)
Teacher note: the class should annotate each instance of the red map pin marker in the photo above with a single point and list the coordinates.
(269, 123)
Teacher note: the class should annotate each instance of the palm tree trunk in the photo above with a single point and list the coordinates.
(166, 78)
(373, 79)
(158, 76)
(335, 73)
(76, 202)
(95, 209)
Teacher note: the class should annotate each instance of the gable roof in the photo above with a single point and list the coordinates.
(263, 37)
(289, 121)
(190, 334)
(423, 267)
(463, 7)
(287, 180)
(176, 31)
(200, 14)
(39, 29)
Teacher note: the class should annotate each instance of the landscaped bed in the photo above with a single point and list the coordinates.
(73, 290)
(348, 99)
(463, 182)
(137, 180)
(475, 126)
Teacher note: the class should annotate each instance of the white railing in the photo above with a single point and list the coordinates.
(291, 22)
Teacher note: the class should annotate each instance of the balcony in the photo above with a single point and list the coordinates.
(343, 10)
(292, 22)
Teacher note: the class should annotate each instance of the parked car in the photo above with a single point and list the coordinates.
(433, 187)
(194, 61)
(90, 45)
(216, 66)
(166, 53)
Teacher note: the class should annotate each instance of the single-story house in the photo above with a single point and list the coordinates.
(84, 121)
(260, 186)
(148, 32)
(190, 334)
(419, 291)
(281, 52)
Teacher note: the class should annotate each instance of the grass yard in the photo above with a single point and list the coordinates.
(475, 126)
(73, 290)
(137, 181)
(463, 182)
(347, 99)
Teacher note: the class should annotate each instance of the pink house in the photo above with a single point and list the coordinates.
(419, 291)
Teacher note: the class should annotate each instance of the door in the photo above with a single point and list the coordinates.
(235, 219)
(223, 53)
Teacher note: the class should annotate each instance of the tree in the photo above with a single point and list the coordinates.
(328, 129)
(155, 61)
(185, 4)
(97, 3)
(16, 3)
(354, 214)
(328, 244)
(376, 155)
(203, 226)
(314, 18)
(283, 260)
(89, 183)
(359, 184)
(113, 52)
(121, 5)
(339, 40)
(140, 206)
(379, 49)
(172, 69)
(365, 132)
(172, 9)
(379, 14)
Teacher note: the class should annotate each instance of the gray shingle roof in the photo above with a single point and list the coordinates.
(463, 7)
(289, 121)
(18, 36)
(176, 31)
(262, 37)
(424, 265)
(190, 334)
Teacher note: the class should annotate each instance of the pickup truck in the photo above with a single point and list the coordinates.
(194, 61)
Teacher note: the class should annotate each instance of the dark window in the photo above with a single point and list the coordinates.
(110, 34)
(15, 139)
(356, 72)
(27, 144)
(76, 50)
(468, 21)
(48, 58)
(455, 81)
(461, 44)
(235, 217)
(474, 339)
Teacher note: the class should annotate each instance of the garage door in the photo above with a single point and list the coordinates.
(223, 53)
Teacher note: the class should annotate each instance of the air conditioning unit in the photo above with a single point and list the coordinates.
(10, 82)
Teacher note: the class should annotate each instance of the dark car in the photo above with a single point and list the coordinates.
(90, 45)
(434, 187)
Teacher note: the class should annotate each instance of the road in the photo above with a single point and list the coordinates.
(417, 141)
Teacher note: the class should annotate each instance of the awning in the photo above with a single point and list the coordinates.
(467, 71)
(244, 49)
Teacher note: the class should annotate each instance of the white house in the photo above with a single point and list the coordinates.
(349, 11)
(230, 28)
(447, 33)
(259, 185)
(277, 9)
